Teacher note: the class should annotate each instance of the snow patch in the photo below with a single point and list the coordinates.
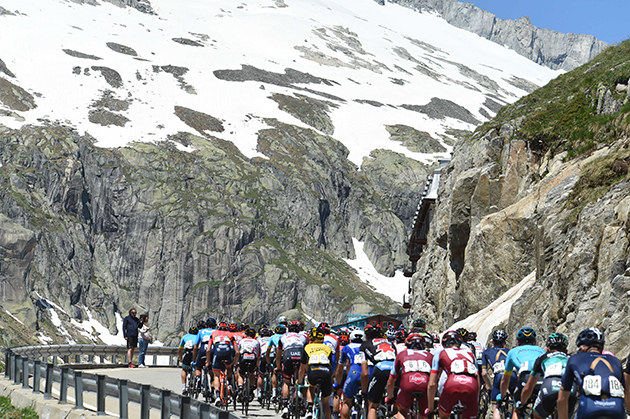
(484, 321)
(395, 288)
(14, 318)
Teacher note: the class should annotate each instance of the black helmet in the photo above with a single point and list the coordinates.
(250, 332)
(463, 333)
(211, 323)
(557, 341)
(201, 325)
(372, 330)
(193, 330)
(419, 324)
(499, 335)
(280, 329)
(526, 335)
(591, 337)
(451, 337)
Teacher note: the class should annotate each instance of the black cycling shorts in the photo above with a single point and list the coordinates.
(187, 359)
(377, 385)
(523, 378)
(323, 377)
(545, 403)
(246, 366)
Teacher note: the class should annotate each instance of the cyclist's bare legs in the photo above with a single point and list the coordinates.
(346, 407)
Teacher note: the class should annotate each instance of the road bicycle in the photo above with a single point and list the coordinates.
(358, 406)
(414, 410)
(266, 392)
(506, 407)
(225, 390)
(245, 394)
(484, 402)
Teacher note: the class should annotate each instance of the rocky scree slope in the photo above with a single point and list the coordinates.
(544, 186)
(546, 47)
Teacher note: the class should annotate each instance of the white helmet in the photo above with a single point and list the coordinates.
(357, 336)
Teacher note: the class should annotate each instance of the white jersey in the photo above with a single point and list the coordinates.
(291, 340)
(263, 341)
(249, 349)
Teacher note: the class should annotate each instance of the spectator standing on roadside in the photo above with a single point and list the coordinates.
(144, 338)
(130, 332)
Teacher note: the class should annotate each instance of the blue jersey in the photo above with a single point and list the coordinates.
(273, 344)
(522, 358)
(203, 337)
(600, 379)
(188, 341)
(351, 353)
(494, 358)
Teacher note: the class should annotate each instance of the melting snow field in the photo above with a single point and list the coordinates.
(394, 287)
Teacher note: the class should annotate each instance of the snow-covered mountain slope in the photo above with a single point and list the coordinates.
(123, 75)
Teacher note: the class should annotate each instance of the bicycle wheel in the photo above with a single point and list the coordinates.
(245, 395)
(207, 393)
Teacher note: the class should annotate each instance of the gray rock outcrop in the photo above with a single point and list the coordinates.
(546, 47)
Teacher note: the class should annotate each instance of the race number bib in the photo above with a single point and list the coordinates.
(592, 385)
(385, 356)
(359, 358)
(318, 359)
(459, 366)
(417, 366)
(616, 388)
(499, 367)
(554, 370)
(524, 367)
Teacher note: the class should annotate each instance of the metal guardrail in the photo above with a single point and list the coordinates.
(29, 363)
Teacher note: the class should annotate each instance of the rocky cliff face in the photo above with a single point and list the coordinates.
(185, 236)
(544, 187)
(543, 46)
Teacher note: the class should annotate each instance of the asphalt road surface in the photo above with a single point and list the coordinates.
(170, 379)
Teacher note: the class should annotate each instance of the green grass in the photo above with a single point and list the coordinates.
(8, 411)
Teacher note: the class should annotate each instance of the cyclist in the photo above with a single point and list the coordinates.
(400, 338)
(247, 358)
(413, 366)
(200, 349)
(344, 339)
(270, 357)
(236, 333)
(185, 353)
(520, 359)
(472, 340)
(264, 337)
(462, 382)
(599, 378)
(351, 358)
(316, 361)
(223, 349)
(288, 354)
(549, 368)
(381, 354)
(332, 341)
(494, 359)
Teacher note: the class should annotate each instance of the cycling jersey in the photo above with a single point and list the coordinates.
(461, 384)
(522, 358)
(249, 349)
(291, 344)
(187, 343)
(333, 342)
(478, 350)
(550, 368)
(600, 379)
(222, 345)
(381, 354)
(351, 353)
(203, 338)
(319, 356)
(413, 367)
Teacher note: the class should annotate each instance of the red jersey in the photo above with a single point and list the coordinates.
(458, 361)
(222, 338)
(411, 361)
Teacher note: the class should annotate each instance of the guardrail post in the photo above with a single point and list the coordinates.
(223, 414)
(16, 369)
(25, 373)
(78, 390)
(49, 382)
(154, 360)
(55, 360)
(63, 386)
(204, 411)
(123, 399)
(37, 375)
(145, 401)
(100, 395)
(184, 407)
(77, 359)
(7, 369)
(165, 404)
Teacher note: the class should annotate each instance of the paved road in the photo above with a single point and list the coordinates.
(170, 379)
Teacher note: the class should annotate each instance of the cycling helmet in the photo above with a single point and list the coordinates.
(250, 333)
(436, 338)
(499, 335)
(301, 324)
(193, 330)
(526, 335)
(223, 326)
(419, 324)
(280, 329)
(211, 323)
(472, 336)
(463, 333)
(451, 337)
(557, 341)
(243, 327)
(294, 327)
(391, 334)
(282, 320)
(316, 334)
(325, 327)
(591, 337)
(372, 330)
(344, 339)
(415, 341)
(201, 325)
(265, 331)
(400, 336)
(233, 327)
(357, 336)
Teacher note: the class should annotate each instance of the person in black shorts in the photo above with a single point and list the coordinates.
(317, 361)
(130, 332)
